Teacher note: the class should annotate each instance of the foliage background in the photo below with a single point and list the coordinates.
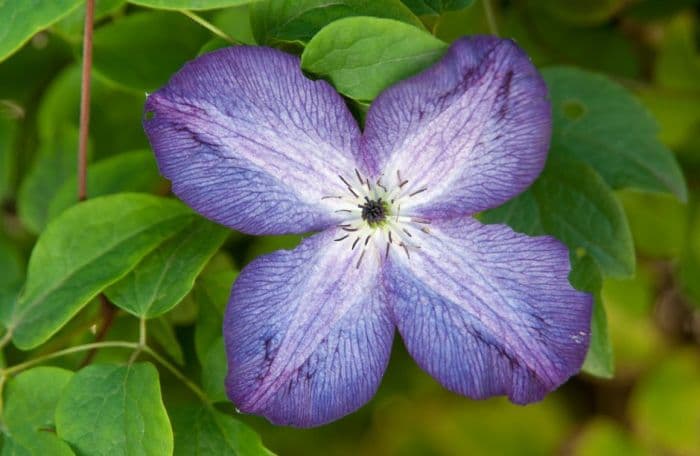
(610, 191)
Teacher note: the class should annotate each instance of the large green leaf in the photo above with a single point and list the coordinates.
(129, 172)
(71, 27)
(107, 410)
(29, 413)
(21, 19)
(54, 164)
(87, 248)
(599, 122)
(436, 7)
(203, 430)
(168, 273)
(571, 202)
(362, 56)
(190, 4)
(164, 42)
(299, 20)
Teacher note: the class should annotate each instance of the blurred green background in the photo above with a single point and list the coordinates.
(651, 406)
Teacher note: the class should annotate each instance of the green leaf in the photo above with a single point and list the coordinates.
(299, 20)
(20, 20)
(107, 410)
(214, 369)
(164, 41)
(572, 202)
(115, 115)
(54, 163)
(85, 249)
(585, 276)
(436, 7)
(599, 122)
(211, 293)
(29, 412)
(203, 430)
(190, 4)
(235, 22)
(71, 27)
(8, 129)
(167, 274)
(362, 56)
(128, 172)
(162, 332)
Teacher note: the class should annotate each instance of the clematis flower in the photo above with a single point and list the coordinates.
(250, 142)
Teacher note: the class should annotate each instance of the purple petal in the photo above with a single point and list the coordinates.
(473, 129)
(248, 141)
(307, 333)
(488, 311)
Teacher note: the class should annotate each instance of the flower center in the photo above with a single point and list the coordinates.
(374, 211)
(374, 220)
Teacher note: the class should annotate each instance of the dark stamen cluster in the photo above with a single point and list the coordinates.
(373, 211)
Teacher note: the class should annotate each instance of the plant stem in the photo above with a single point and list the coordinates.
(85, 100)
(6, 338)
(180, 376)
(142, 340)
(490, 17)
(209, 26)
(78, 348)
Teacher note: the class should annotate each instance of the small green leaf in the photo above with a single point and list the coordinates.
(190, 4)
(128, 172)
(164, 41)
(436, 7)
(20, 20)
(299, 20)
(29, 413)
(362, 56)
(107, 410)
(235, 22)
(585, 276)
(167, 274)
(85, 249)
(203, 430)
(54, 163)
(572, 202)
(599, 122)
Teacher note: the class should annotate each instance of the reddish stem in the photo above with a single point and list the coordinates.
(85, 100)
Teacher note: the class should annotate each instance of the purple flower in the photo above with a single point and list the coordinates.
(248, 141)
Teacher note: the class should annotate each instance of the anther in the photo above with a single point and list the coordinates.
(342, 237)
(405, 250)
(418, 191)
(367, 240)
(362, 255)
(359, 177)
(355, 243)
(407, 232)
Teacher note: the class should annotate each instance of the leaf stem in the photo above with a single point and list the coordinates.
(6, 338)
(490, 17)
(209, 26)
(179, 375)
(67, 351)
(85, 100)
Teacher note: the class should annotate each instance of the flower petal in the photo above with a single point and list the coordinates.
(248, 141)
(307, 333)
(473, 129)
(489, 311)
